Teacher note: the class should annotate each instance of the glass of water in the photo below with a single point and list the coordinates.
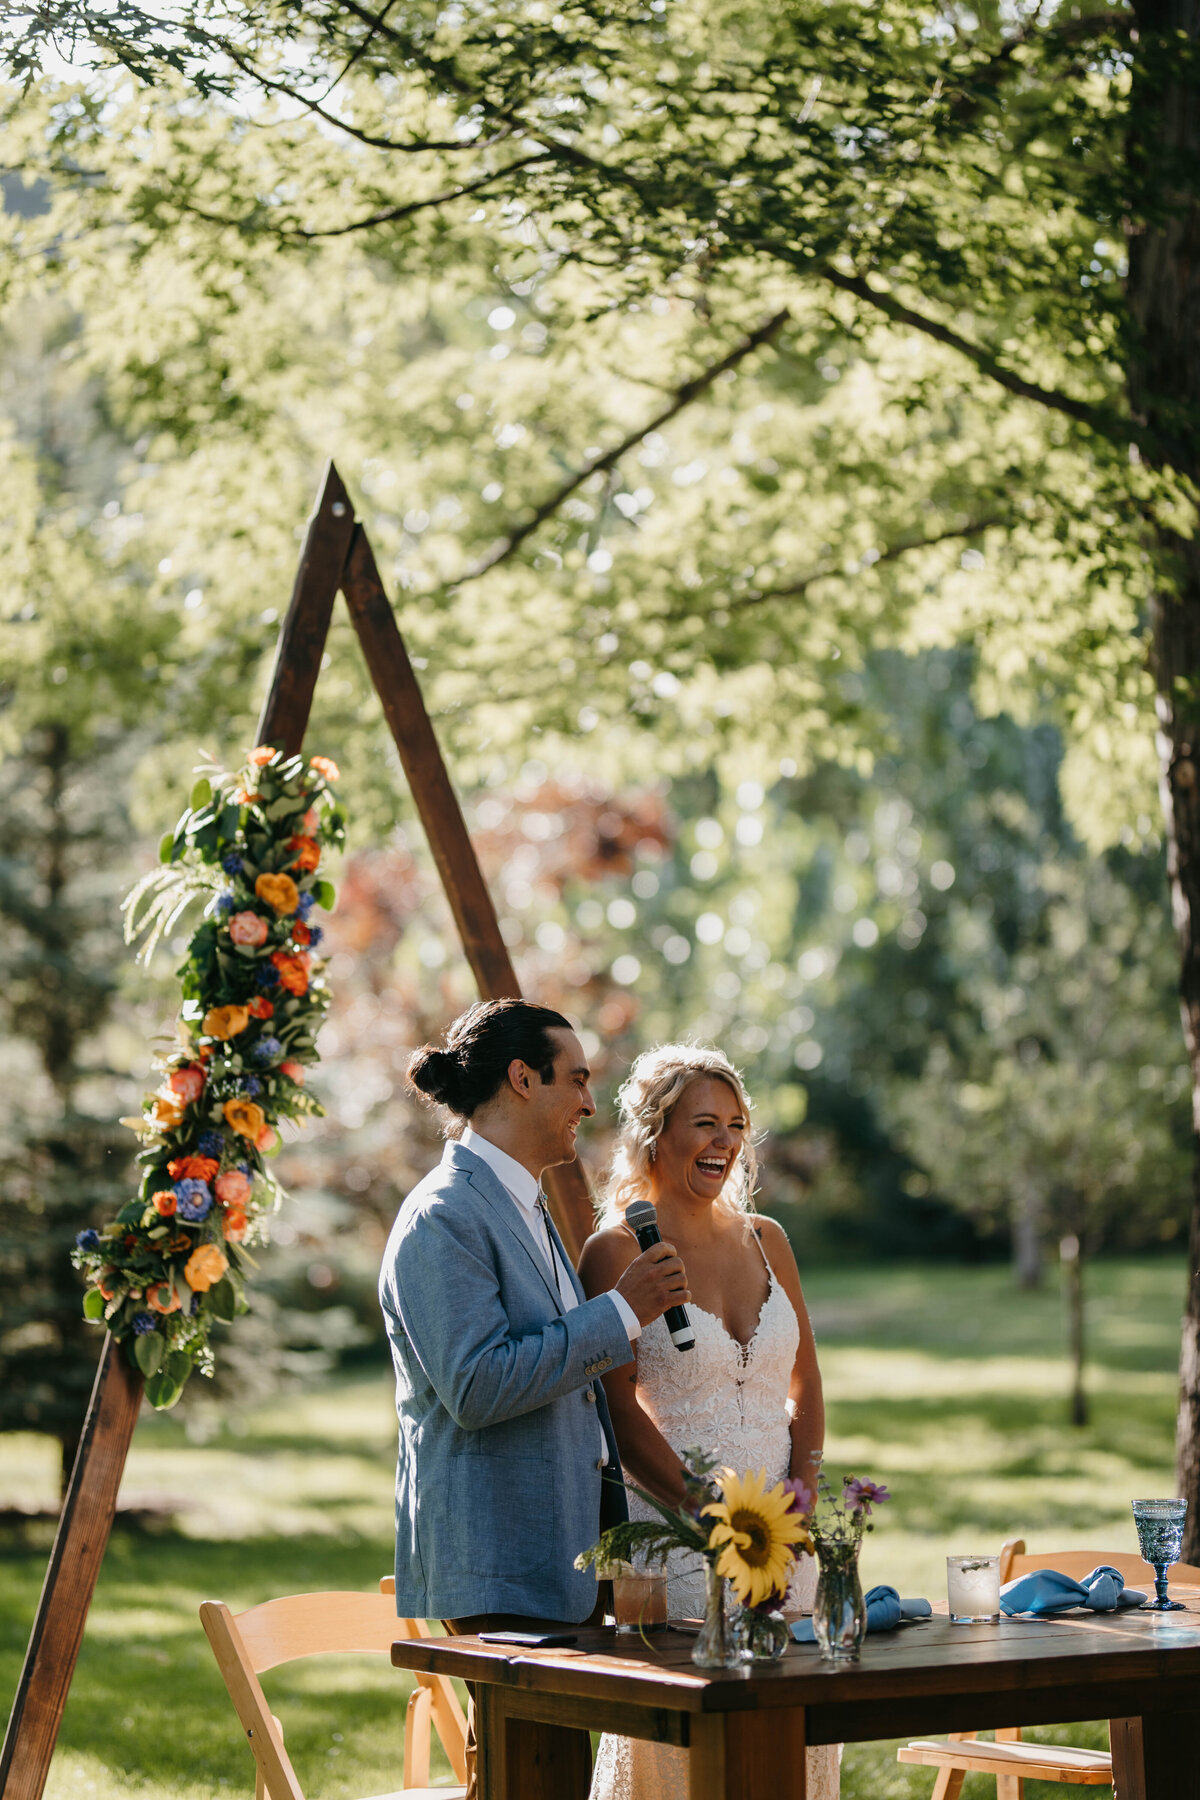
(1160, 1536)
(973, 1589)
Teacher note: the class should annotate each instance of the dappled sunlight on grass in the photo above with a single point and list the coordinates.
(944, 1383)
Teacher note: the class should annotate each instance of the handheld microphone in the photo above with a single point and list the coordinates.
(641, 1216)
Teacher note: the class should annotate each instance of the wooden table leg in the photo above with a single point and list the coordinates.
(524, 1759)
(1156, 1757)
(747, 1756)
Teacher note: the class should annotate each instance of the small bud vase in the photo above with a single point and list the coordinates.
(761, 1637)
(839, 1612)
(715, 1647)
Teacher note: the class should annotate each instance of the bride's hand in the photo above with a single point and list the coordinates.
(654, 1281)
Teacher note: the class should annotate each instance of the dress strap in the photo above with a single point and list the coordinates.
(755, 1234)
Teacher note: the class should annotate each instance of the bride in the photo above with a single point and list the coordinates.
(750, 1391)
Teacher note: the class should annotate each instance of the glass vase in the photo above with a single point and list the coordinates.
(839, 1612)
(715, 1647)
(760, 1637)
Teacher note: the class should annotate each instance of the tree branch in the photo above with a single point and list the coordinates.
(387, 217)
(1106, 424)
(682, 397)
(798, 587)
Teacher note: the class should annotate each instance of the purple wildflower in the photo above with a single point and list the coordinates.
(232, 864)
(801, 1497)
(315, 934)
(225, 903)
(860, 1496)
(250, 1084)
(307, 902)
(88, 1240)
(194, 1200)
(268, 1049)
(266, 975)
(210, 1143)
(143, 1324)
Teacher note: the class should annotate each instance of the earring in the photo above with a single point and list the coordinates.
(653, 1148)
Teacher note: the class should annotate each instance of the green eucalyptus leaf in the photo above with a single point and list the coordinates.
(148, 1352)
(222, 1299)
(93, 1304)
(201, 794)
(325, 894)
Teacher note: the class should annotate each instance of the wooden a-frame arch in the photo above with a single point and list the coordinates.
(336, 554)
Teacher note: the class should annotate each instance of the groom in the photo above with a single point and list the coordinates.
(508, 1466)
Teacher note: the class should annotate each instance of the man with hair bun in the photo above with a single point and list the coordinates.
(507, 1464)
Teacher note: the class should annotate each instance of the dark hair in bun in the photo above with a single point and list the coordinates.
(480, 1045)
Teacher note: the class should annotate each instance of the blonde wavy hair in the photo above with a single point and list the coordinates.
(646, 1100)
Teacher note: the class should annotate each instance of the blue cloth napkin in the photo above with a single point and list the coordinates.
(1046, 1591)
(885, 1609)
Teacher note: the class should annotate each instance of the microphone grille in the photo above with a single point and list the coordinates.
(639, 1213)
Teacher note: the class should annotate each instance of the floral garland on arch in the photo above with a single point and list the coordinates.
(176, 1257)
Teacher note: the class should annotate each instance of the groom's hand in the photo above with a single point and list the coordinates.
(653, 1281)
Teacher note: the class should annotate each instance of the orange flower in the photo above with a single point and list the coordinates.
(187, 1083)
(225, 1022)
(162, 1298)
(300, 933)
(261, 755)
(308, 853)
(279, 891)
(266, 1139)
(197, 1168)
(310, 821)
(248, 928)
(245, 798)
(246, 1118)
(168, 1111)
(260, 1007)
(164, 1202)
(293, 970)
(232, 1188)
(234, 1224)
(293, 1070)
(204, 1268)
(106, 1281)
(324, 765)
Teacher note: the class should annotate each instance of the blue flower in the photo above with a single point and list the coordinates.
(225, 903)
(243, 1168)
(268, 1049)
(197, 1303)
(307, 902)
(143, 1324)
(88, 1240)
(210, 1143)
(315, 934)
(250, 1084)
(232, 864)
(266, 975)
(194, 1200)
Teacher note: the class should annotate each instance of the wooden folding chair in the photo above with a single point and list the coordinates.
(280, 1631)
(1010, 1760)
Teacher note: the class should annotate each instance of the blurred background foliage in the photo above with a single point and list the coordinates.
(819, 725)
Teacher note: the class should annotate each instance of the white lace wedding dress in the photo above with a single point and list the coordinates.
(732, 1401)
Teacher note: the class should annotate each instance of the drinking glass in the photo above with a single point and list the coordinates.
(1160, 1537)
(639, 1600)
(973, 1589)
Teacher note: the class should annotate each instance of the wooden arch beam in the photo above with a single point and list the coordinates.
(336, 554)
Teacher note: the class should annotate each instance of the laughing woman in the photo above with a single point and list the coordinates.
(750, 1391)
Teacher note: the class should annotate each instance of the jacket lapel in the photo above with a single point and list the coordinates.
(487, 1184)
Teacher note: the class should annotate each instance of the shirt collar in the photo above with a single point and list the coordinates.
(513, 1175)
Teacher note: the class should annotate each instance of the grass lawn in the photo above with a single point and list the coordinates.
(944, 1383)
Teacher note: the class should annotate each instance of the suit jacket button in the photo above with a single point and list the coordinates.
(589, 1395)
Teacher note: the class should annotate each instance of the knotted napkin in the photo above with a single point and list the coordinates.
(1048, 1591)
(885, 1609)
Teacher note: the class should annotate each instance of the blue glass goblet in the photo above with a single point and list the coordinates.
(1160, 1536)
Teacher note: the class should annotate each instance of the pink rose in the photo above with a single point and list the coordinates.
(266, 1139)
(187, 1084)
(294, 1072)
(248, 928)
(310, 821)
(232, 1188)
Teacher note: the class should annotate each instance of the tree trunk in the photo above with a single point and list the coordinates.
(1071, 1252)
(1027, 1238)
(1164, 393)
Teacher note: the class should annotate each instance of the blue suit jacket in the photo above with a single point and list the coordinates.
(498, 1485)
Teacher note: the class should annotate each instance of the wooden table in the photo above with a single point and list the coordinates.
(747, 1732)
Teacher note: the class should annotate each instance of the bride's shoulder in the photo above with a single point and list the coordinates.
(776, 1245)
(606, 1255)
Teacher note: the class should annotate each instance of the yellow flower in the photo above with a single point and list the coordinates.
(225, 1021)
(756, 1533)
(279, 891)
(204, 1268)
(246, 1118)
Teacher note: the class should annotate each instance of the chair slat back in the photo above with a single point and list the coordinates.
(1077, 1563)
(298, 1625)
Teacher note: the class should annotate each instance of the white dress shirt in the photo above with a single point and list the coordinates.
(524, 1191)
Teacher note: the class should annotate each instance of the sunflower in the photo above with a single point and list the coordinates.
(755, 1533)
